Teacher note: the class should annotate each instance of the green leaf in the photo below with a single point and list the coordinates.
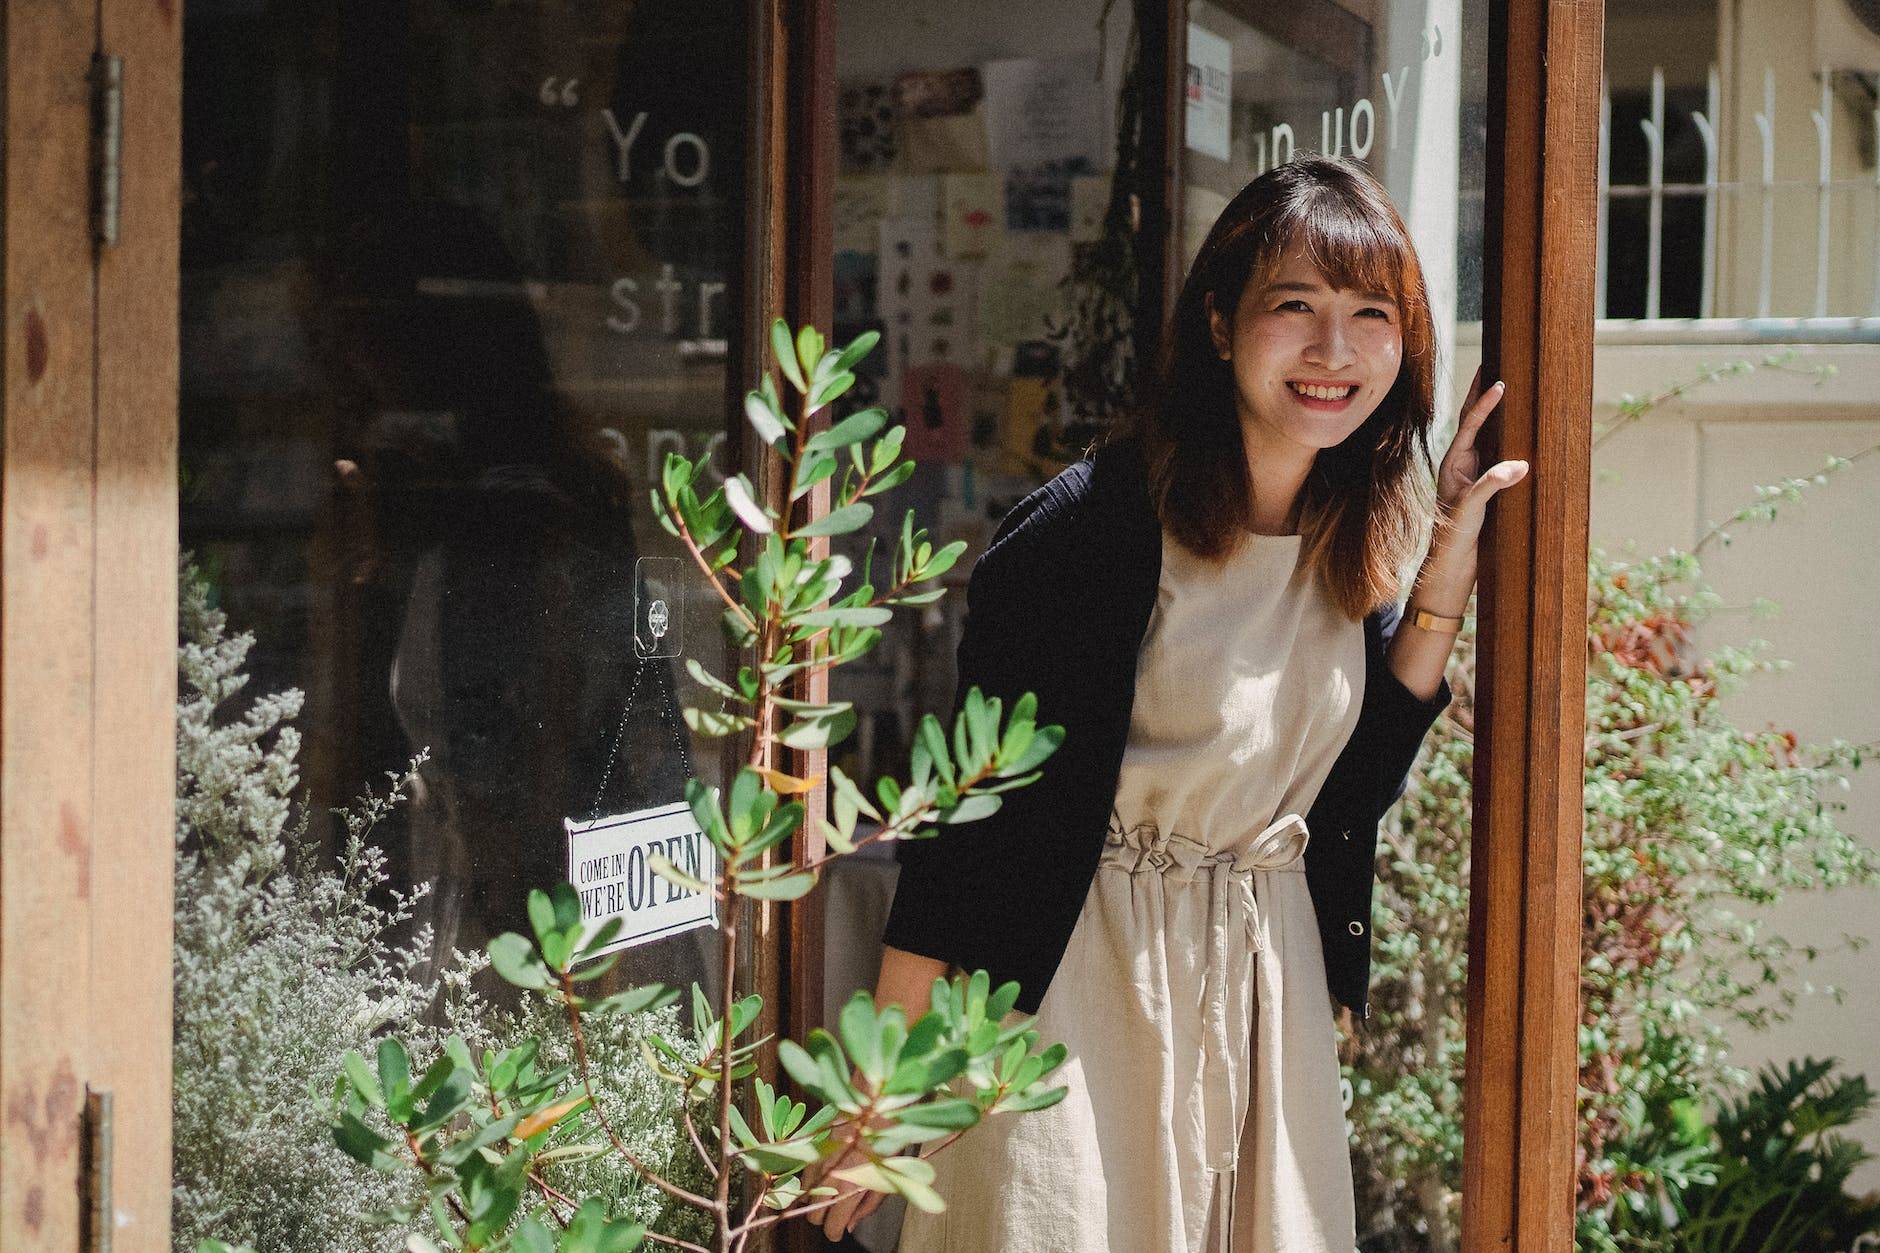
(716, 723)
(853, 429)
(363, 1145)
(813, 470)
(785, 352)
(513, 958)
(942, 561)
(829, 390)
(933, 739)
(838, 521)
(814, 733)
(1044, 742)
(858, 348)
(743, 501)
(783, 887)
(851, 616)
(636, 1000)
(364, 1082)
(706, 679)
(532, 1237)
(662, 866)
(395, 1075)
(809, 348)
(446, 1103)
(844, 786)
(971, 809)
(764, 418)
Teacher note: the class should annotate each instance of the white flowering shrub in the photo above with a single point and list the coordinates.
(285, 959)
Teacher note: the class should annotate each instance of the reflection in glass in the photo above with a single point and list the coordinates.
(456, 277)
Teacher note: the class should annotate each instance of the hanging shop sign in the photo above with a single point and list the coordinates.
(610, 864)
(613, 860)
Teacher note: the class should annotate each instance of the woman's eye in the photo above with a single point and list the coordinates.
(1375, 313)
(1295, 304)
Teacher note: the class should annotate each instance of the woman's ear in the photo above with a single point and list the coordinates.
(1218, 330)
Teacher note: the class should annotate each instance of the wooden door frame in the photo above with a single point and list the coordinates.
(1520, 1095)
(87, 627)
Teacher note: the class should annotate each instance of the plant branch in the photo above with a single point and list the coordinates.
(705, 568)
(691, 1131)
(675, 1241)
(587, 1085)
(1747, 512)
(553, 1194)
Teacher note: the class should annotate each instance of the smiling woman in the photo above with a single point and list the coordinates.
(1294, 256)
(1256, 701)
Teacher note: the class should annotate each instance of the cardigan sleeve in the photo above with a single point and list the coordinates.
(1392, 719)
(956, 886)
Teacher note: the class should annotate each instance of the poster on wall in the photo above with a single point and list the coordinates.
(1209, 92)
(936, 401)
(1046, 126)
(1043, 110)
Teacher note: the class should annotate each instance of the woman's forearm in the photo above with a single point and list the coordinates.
(906, 980)
(1418, 657)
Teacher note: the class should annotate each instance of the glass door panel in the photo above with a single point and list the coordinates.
(457, 275)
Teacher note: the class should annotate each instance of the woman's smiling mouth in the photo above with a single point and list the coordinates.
(1332, 395)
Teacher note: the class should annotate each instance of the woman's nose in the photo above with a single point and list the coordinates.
(1330, 347)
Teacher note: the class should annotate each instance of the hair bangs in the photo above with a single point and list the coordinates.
(1353, 248)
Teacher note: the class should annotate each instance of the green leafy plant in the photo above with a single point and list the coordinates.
(487, 1135)
(1780, 1183)
(1690, 822)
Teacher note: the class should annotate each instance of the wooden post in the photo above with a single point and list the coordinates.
(790, 268)
(1525, 907)
(47, 670)
(134, 789)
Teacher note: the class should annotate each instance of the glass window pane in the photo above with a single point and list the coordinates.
(1400, 84)
(457, 276)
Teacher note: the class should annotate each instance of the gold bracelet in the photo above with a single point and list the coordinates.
(1435, 622)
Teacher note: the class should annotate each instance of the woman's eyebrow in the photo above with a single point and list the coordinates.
(1379, 297)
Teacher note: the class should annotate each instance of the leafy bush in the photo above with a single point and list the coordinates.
(1780, 1184)
(1689, 819)
(489, 1137)
(285, 959)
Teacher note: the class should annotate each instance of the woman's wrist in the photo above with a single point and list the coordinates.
(1447, 577)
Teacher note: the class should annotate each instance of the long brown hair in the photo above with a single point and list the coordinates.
(1364, 503)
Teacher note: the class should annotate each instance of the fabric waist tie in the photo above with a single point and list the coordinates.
(1281, 846)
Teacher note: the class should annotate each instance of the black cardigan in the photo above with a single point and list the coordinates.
(1059, 605)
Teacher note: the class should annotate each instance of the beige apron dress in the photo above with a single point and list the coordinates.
(1204, 1100)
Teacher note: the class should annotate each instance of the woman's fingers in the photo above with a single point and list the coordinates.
(870, 1203)
(835, 1219)
(1480, 405)
(840, 1218)
(1501, 475)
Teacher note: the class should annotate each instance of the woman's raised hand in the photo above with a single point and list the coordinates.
(840, 1218)
(1463, 489)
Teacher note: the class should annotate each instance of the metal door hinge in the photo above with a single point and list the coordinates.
(99, 1215)
(107, 138)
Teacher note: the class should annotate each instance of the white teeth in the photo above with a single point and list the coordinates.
(1323, 393)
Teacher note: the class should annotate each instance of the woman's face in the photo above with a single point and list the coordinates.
(1311, 361)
